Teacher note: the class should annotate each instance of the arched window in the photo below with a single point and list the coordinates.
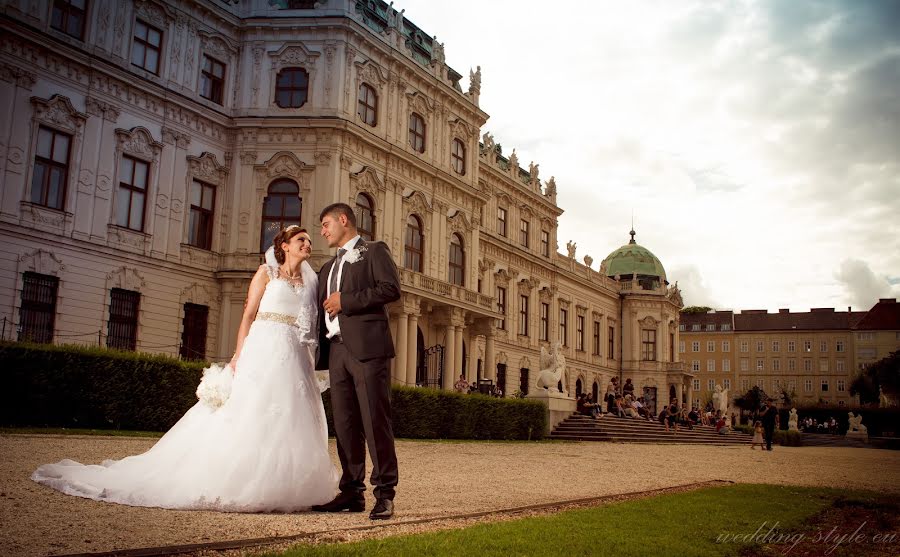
(281, 208)
(417, 132)
(291, 88)
(457, 260)
(458, 157)
(412, 253)
(367, 107)
(365, 217)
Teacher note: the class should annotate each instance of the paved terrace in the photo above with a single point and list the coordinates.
(436, 479)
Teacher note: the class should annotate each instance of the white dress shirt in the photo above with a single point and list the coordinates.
(332, 325)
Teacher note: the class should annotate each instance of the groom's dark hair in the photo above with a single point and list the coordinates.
(336, 209)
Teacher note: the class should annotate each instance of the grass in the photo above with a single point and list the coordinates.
(74, 431)
(682, 524)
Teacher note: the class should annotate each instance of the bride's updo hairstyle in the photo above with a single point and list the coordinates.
(283, 237)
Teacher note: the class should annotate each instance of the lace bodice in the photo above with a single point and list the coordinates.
(294, 299)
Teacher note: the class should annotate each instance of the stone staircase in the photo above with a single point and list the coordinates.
(610, 428)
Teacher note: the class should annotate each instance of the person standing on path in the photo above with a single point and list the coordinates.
(769, 419)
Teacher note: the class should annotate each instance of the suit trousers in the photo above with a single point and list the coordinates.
(361, 405)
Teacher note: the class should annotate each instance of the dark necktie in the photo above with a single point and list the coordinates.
(333, 282)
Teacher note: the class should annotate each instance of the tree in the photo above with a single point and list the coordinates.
(696, 309)
(881, 375)
(752, 400)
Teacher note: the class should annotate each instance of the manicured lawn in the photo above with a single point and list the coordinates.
(680, 524)
(67, 431)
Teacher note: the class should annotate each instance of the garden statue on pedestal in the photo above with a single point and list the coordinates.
(792, 420)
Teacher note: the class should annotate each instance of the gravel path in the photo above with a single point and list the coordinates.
(436, 479)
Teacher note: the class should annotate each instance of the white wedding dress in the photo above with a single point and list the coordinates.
(264, 449)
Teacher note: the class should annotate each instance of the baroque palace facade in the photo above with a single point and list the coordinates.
(151, 149)
(813, 356)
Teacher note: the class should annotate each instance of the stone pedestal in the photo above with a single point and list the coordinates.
(861, 435)
(559, 406)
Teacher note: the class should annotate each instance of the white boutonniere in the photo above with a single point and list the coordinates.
(355, 254)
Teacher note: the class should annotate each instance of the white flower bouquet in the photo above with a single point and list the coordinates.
(215, 386)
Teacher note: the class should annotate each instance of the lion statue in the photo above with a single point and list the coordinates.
(553, 364)
(855, 423)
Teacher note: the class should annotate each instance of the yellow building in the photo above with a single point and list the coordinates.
(813, 355)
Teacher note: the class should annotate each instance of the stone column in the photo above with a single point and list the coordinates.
(458, 349)
(678, 392)
(412, 342)
(401, 350)
(449, 357)
(472, 364)
(490, 366)
(690, 394)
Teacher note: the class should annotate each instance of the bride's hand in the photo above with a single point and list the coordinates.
(233, 364)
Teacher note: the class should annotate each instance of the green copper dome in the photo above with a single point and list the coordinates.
(633, 258)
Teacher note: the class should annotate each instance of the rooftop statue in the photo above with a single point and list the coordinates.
(570, 247)
(475, 81)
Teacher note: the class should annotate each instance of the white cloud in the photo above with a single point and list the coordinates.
(755, 143)
(863, 287)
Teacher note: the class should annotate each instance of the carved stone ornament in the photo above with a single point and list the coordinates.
(207, 169)
(15, 74)
(461, 128)
(503, 276)
(176, 138)
(563, 302)
(196, 294)
(217, 45)
(43, 216)
(370, 72)
(416, 202)
(139, 142)
(366, 180)
(41, 261)
(126, 278)
(546, 294)
(58, 111)
(285, 164)
(154, 12)
(648, 322)
(293, 54)
(248, 157)
(420, 103)
(459, 223)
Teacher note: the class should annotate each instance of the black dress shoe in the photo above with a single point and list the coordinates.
(384, 509)
(352, 502)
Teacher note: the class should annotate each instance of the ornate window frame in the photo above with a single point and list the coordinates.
(137, 143)
(207, 169)
(293, 54)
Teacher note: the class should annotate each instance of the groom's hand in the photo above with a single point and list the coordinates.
(333, 304)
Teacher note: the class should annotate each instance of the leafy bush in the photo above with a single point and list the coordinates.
(782, 436)
(74, 386)
(80, 387)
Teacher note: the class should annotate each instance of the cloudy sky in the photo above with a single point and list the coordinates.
(756, 143)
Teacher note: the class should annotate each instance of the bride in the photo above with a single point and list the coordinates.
(266, 447)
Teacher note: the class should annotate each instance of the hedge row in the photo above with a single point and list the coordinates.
(878, 421)
(781, 437)
(73, 386)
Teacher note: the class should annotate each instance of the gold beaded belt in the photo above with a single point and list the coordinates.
(276, 317)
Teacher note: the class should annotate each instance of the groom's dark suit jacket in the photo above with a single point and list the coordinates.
(366, 287)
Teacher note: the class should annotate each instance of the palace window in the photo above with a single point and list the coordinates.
(824, 385)
(807, 385)
(545, 321)
(68, 16)
(414, 244)
(123, 319)
(596, 350)
(681, 347)
(726, 346)
(726, 366)
(281, 208)
(841, 385)
(745, 364)
(695, 346)
(776, 365)
(523, 315)
(501, 307)
(760, 364)
(417, 132)
(193, 334)
(134, 175)
(457, 260)
(545, 243)
(695, 365)
(458, 157)
(807, 364)
(839, 365)
(792, 364)
(823, 365)
(710, 327)
(51, 168)
(367, 105)
(711, 365)
(792, 346)
(200, 227)
(648, 344)
(564, 326)
(776, 346)
(726, 383)
(745, 346)
(501, 378)
(501, 221)
(212, 79)
(579, 332)
(807, 346)
(695, 327)
(523, 380)
(38, 312)
(726, 327)
(760, 346)
(710, 385)
(696, 384)
(839, 346)
(524, 227)
(823, 346)
(611, 341)
(365, 217)
(710, 346)
(291, 88)
(147, 46)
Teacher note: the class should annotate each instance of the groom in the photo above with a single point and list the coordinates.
(355, 346)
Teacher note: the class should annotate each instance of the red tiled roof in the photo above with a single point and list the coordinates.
(885, 315)
(822, 319)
